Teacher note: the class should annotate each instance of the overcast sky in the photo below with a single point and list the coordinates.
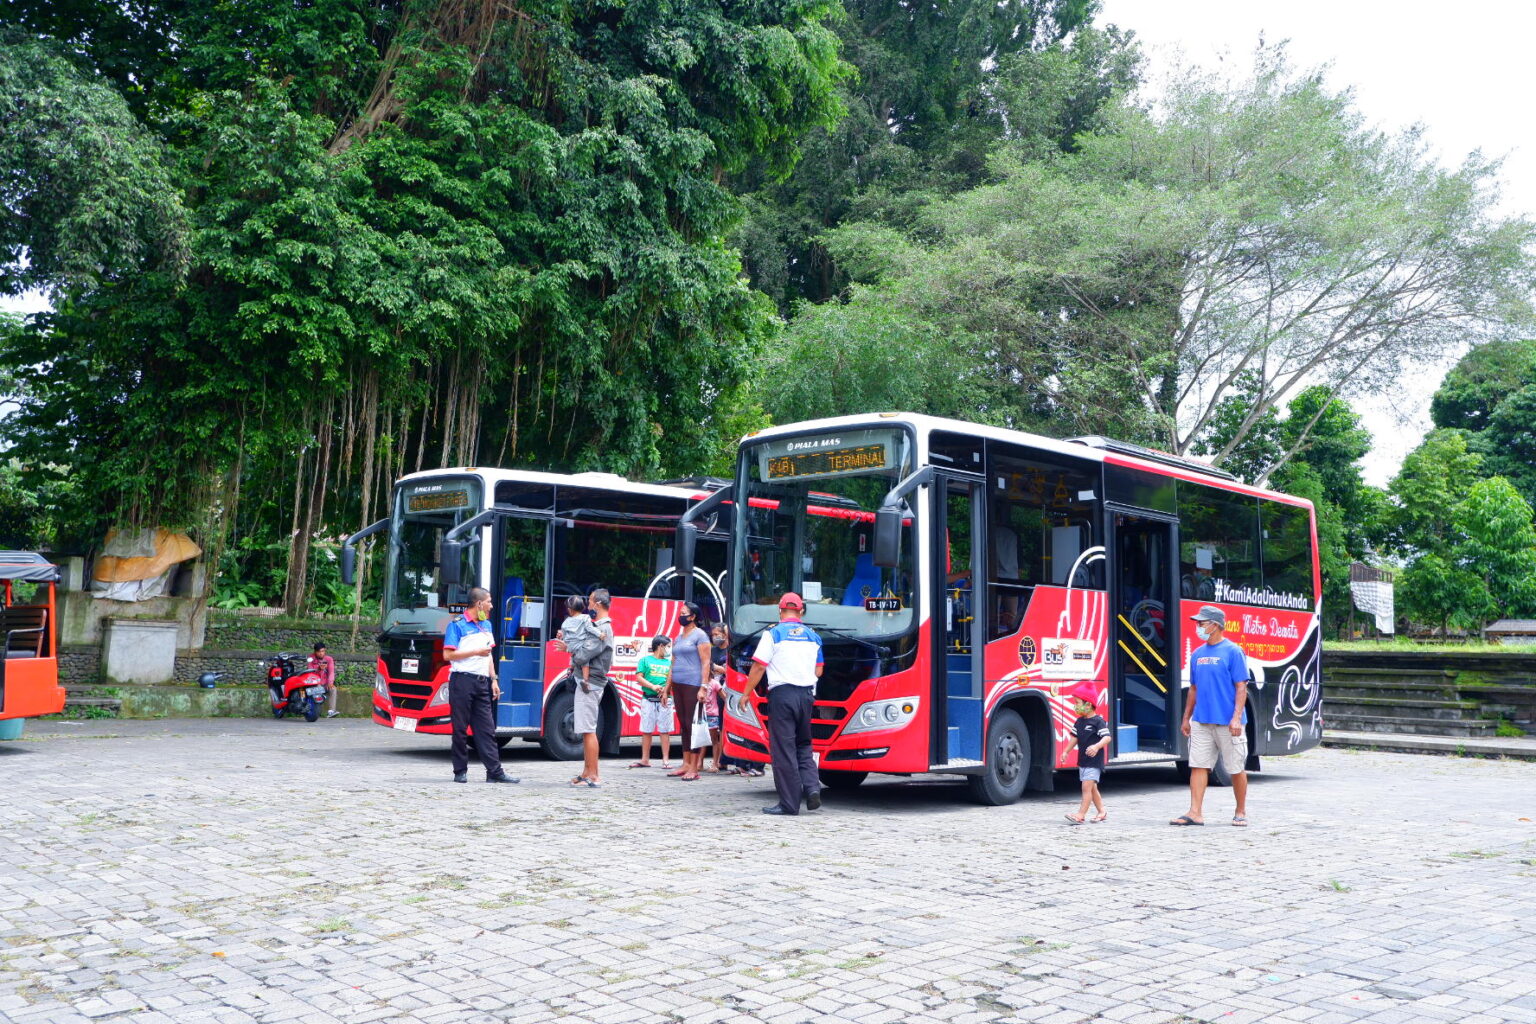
(1465, 77)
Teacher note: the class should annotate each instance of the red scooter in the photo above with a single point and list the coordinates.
(294, 687)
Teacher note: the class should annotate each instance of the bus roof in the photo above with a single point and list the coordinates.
(1092, 448)
(597, 481)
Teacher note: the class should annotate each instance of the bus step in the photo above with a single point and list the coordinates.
(516, 714)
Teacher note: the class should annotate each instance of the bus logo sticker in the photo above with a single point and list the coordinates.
(1066, 658)
(1027, 651)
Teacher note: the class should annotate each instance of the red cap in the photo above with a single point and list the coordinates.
(791, 600)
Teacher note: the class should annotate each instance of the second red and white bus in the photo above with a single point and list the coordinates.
(968, 581)
(532, 539)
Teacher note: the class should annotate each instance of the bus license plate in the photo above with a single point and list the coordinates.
(410, 665)
(405, 724)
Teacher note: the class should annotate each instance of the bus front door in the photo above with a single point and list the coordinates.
(523, 615)
(1145, 630)
(958, 723)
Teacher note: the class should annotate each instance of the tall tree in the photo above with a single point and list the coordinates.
(421, 232)
(1236, 228)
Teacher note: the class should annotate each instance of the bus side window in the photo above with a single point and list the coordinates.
(1040, 522)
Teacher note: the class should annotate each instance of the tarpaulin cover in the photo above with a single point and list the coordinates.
(27, 566)
(142, 555)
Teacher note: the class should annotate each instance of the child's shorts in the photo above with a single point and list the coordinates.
(656, 718)
(713, 721)
(1090, 774)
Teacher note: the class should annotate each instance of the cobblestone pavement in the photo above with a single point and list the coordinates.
(239, 871)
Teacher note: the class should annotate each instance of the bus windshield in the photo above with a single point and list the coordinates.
(806, 524)
(415, 599)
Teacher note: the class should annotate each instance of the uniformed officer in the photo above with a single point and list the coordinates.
(472, 688)
(790, 655)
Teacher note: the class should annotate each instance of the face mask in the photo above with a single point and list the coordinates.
(685, 619)
(481, 614)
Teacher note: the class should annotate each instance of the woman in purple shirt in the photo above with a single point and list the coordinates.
(690, 667)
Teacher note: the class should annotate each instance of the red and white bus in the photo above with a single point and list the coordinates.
(532, 539)
(29, 653)
(968, 581)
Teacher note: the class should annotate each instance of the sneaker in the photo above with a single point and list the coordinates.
(333, 714)
(502, 778)
(813, 801)
(776, 809)
(461, 776)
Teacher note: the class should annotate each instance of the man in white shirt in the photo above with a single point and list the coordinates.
(790, 655)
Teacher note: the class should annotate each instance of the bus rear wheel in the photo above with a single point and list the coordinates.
(560, 741)
(1003, 779)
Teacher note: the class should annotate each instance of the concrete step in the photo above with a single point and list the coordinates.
(1523, 748)
(80, 696)
(1423, 676)
(1388, 688)
(1385, 707)
(1412, 726)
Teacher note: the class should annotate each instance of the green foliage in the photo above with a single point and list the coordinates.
(1485, 377)
(1434, 589)
(1240, 227)
(1434, 480)
(85, 187)
(1498, 543)
(415, 234)
(1508, 443)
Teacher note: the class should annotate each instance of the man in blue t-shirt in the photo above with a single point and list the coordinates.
(1214, 715)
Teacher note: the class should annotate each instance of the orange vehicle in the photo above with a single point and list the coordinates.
(29, 670)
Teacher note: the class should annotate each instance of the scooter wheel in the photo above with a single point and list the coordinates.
(311, 710)
(277, 712)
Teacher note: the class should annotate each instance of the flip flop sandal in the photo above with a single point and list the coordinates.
(687, 778)
(1240, 820)
(641, 764)
(581, 780)
(1073, 819)
(1099, 817)
(594, 785)
(1185, 819)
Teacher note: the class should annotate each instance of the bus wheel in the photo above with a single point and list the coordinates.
(560, 740)
(1002, 781)
(842, 780)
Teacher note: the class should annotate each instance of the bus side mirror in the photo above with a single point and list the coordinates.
(887, 553)
(452, 555)
(348, 565)
(687, 544)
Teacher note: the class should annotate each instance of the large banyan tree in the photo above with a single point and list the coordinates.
(399, 234)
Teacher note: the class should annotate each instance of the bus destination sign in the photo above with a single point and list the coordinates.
(437, 501)
(857, 451)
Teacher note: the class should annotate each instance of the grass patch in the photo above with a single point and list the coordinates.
(1504, 727)
(1477, 854)
(335, 924)
(1337, 886)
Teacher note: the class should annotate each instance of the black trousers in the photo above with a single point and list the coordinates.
(469, 698)
(789, 744)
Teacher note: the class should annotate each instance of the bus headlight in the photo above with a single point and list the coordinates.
(441, 697)
(380, 685)
(883, 714)
(741, 709)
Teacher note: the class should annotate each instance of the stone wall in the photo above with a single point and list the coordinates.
(79, 664)
(248, 666)
(251, 633)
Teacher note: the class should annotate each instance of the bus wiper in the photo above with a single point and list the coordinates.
(882, 650)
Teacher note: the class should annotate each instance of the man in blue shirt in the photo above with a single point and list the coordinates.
(1214, 715)
(472, 688)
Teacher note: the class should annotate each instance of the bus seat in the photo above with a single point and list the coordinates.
(865, 574)
(23, 631)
